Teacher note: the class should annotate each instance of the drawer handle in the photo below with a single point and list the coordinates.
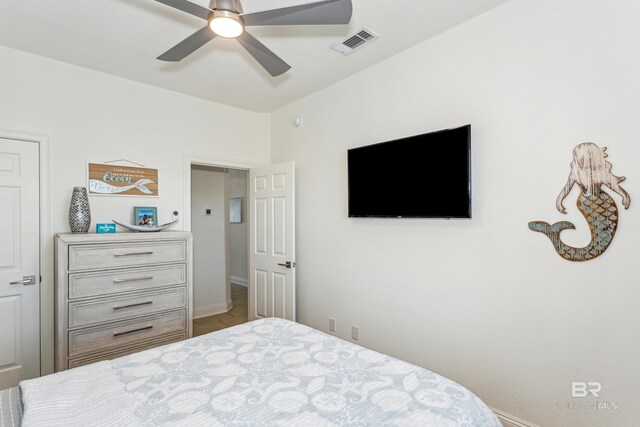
(133, 253)
(135, 304)
(144, 328)
(132, 279)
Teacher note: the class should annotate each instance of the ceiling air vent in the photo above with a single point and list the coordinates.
(355, 42)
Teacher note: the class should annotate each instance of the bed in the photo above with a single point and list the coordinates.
(269, 372)
(10, 407)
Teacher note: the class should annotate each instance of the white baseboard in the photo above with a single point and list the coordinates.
(239, 281)
(509, 420)
(210, 310)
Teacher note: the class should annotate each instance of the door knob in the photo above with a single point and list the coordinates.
(26, 280)
(288, 264)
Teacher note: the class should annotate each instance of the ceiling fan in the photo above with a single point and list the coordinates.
(226, 19)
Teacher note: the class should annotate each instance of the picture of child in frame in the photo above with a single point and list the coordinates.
(145, 216)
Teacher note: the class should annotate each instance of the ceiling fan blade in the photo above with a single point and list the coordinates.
(189, 45)
(269, 60)
(326, 12)
(188, 7)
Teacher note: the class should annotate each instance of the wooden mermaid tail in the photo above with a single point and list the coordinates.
(601, 212)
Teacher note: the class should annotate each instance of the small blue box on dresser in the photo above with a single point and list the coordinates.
(105, 228)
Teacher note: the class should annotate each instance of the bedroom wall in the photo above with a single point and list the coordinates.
(485, 301)
(96, 117)
(209, 188)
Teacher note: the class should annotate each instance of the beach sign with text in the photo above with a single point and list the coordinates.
(122, 180)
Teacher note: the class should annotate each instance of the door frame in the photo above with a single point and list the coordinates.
(193, 160)
(47, 334)
(190, 160)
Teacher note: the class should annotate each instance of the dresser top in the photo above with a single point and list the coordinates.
(122, 236)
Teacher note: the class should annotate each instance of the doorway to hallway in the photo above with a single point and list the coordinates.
(220, 247)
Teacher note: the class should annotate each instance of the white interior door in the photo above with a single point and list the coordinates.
(19, 262)
(272, 278)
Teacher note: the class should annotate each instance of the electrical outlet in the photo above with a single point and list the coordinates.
(332, 324)
(355, 332)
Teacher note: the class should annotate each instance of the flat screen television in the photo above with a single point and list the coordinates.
(422, 176)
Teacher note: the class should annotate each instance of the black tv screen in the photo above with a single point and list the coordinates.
(422, 176)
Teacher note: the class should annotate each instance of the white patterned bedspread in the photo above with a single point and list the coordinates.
(10, 407)
(274, 372)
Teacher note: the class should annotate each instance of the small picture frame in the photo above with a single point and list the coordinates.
(235, 210)
(145, 216)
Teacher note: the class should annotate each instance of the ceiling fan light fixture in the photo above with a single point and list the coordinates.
(226, 24)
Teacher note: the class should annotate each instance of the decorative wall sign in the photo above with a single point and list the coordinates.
(122, 180)
(590, 171)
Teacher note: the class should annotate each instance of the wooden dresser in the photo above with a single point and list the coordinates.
(120, 293)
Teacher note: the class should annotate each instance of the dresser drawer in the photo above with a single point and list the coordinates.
(82, 285)
(92, 312)
(107, 255)
(111, 337)
(74, 363)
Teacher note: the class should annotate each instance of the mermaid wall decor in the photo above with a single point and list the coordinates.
(590, 171)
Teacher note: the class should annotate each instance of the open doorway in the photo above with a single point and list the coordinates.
(220, 265)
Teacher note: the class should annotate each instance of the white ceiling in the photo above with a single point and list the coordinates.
(123, 38)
